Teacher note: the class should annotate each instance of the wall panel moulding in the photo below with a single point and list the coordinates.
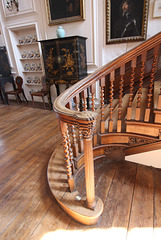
(25, 7)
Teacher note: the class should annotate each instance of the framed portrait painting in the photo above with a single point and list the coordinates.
(126, 20)
(64, 11)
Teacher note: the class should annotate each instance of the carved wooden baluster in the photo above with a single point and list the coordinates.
(63, 128)
(112, 77)
(84, 96)
(75, 144)
(122, 73)
(93, 91)
(138, 108)
(150, 91)
(80, 142)
(80, 137)
(70, 106)
(70, 151)
(102, 84)
(77, 101)
(89, 167)
(129, 110)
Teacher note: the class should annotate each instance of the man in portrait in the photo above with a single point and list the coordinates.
(127, 24)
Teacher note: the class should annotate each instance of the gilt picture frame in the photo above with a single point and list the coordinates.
(65, 11)
(126, 20)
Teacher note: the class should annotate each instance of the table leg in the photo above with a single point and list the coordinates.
(57, 89)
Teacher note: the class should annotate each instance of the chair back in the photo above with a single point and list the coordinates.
(43, 82)
(19, 82)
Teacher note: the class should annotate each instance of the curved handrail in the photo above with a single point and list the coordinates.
(69, 115)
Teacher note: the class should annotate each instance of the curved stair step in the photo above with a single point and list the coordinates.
(70, 201)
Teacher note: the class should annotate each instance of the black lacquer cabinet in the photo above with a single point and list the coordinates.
(65, 59)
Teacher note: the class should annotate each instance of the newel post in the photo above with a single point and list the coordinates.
(89, 166)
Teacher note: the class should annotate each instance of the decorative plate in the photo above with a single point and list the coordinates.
(32, 54)
(24, 54)
(22, 40)
(39, 67)
(29, 39)
(33, 67)
(27, 67)
(36, 80)
(29, 80)
(34, 39)
(37, 54)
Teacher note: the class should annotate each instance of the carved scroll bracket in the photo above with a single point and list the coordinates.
(88, 130)
(138, 140)
(110, 149)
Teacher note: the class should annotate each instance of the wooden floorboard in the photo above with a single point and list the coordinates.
(142, 208)
(157, 204)
(28, 136)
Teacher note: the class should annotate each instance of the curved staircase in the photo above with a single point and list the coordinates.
(127, 121)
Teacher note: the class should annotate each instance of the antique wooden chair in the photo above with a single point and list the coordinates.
(18, 90)
(42, 93)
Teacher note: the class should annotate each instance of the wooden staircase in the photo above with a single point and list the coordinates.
(127, 121)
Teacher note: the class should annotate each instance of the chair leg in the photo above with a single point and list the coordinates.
(18, 98)
(44, 102)
(6, 98)
(24, 96)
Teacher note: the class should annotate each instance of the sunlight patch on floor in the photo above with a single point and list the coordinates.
(140, 234)
(111, 233)
(157, 233)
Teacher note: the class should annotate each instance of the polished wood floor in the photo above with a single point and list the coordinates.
(131, 192)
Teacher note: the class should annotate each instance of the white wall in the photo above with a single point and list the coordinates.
(1, 36)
